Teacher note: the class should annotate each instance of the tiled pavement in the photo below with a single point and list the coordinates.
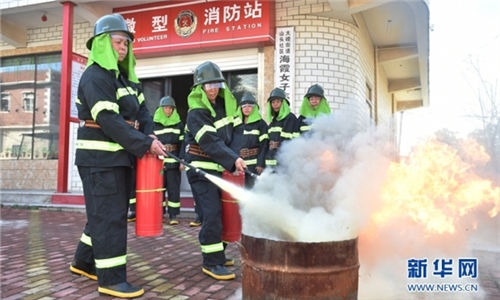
(36, 246)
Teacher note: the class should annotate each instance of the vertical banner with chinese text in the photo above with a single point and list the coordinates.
(284, 62)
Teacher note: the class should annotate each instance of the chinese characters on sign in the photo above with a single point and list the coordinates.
(465, 267)
(195, 24)
(284, 65)
(78, 64)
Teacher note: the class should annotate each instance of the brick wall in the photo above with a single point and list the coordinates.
(81, 33)
(28, 174)
(52, 35)
(328, 53)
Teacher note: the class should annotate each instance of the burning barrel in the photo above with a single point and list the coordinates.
(295, 270)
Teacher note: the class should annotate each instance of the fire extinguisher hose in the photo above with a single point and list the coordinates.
(200, 171)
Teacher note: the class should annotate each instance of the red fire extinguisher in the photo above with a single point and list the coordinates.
(231, 219)
(149, 194)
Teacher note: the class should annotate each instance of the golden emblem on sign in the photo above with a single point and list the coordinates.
(185, 23)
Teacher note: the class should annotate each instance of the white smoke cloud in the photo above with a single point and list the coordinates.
(325, 186)
(328, 186)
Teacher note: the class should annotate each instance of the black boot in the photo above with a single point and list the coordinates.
(121, 290)
(218, 272)
(131, 216)
(83, 269)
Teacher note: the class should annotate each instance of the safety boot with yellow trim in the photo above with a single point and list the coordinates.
(121, 290)
(131, 216)
(83, 269)
(195, 223)
(229, 262)
(218, 272)
(173, 220)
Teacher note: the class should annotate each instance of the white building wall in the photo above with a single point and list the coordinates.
(52, 35)
(327, 53)
(4, 4)
(81, 33)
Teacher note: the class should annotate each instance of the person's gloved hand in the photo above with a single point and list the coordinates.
(240, 164)
(157, 148)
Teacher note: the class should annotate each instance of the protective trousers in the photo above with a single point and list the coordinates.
(104, 239)
(172, 182)
(133, 197)
(209, 203)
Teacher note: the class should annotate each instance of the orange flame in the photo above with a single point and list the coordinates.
(434, 187)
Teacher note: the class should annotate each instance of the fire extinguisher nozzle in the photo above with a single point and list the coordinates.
(250, 173)
(201, 172)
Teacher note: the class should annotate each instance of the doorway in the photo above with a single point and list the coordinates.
(180, 87)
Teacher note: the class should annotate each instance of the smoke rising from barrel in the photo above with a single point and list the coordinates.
(341, 182)
(318, 186)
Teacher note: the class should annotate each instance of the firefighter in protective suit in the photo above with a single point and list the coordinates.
(110, 106)
(209, 132)
(169, 129)
(251, 136)
(313, 105)
(283, 125)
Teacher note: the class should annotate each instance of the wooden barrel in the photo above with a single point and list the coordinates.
(293, 270)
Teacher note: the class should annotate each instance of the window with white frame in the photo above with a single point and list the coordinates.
(5, 102)
(28, 101)
(31, 81)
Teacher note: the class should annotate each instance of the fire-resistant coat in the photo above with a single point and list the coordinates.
(308, 113)
(283, 126)
(249, 136)
(109, 101)
(170, 131)
(210, 127)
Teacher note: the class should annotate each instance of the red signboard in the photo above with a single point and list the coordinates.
(168, 27)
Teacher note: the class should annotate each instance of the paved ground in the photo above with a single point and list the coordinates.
(37, 245)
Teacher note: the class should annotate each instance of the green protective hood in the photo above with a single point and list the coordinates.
(198, 99)
(308, 111)
(161, 118)
(284, 111)
(253, 117)
(105, 55)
